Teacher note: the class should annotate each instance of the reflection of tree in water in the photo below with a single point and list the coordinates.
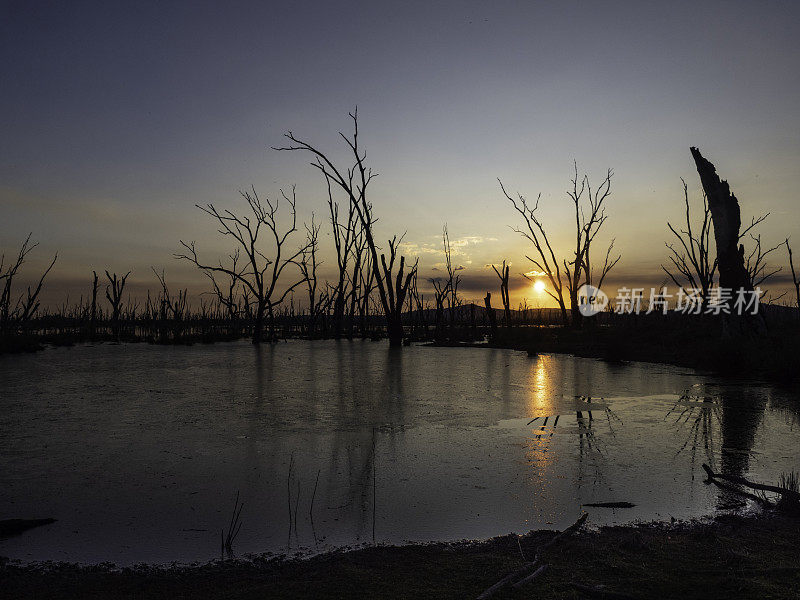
(725, 421)
(360, 445)
(697, 415)
(586, 418)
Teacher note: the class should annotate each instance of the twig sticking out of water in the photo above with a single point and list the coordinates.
(520, 550)
(311, 508)
(289, 498)
(296, 503)
(234, 526)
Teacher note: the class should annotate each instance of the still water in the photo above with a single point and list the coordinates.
(139, 451)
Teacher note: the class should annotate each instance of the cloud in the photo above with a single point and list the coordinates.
(459, 247)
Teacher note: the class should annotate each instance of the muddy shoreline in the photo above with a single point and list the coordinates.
(745, 556)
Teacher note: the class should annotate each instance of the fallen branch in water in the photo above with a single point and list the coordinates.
(610, 504)
(785, 493)
(521, 575)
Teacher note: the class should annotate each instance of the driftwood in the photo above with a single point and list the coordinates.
(523, 575)
(531, 577)
(788, 494)
(610, 504)
(513, 576)
(11, 527)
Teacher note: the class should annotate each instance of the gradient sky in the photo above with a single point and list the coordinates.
(118, 117)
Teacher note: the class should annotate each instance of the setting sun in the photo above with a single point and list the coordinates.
(539, 286)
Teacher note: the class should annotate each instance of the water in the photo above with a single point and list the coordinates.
(139, 450)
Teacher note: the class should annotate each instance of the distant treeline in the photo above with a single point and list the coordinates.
(268, 287)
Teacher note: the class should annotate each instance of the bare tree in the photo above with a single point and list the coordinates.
(590, 215)
(308, 267)
(503, 274)
(453, 279)
(262, 273)
(795, 280)
(441, 290)
(545, 259)
(344, 240)
(172, 307)
(114, 296)
(693, 266)
(757, 269)
(228, 297)
(357, 280)
(353, 181)
(93, 310)
(26, 305)
(487, 302)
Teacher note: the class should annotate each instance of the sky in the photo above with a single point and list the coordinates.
(117, 118)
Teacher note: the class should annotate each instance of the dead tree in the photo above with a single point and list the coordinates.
(726, 217)
(692, 261)
(441, 290)
(545, 259)
(487, 301)
(503, 274)
(114, 296)
(308, 267)
(590, 215)
(453, 279)
(756, 265)
(93, 313)
(360, 257)
(228, 297)
(14, 313)
(172, 308)
(353, 181)
(262, 273)
(344, 238)
(795, 280)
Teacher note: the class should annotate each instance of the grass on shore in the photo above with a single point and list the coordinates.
(731, 557)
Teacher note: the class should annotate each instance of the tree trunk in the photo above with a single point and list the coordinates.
(394, 328)
(258, 327)
(574, 309)
(726, 217)
(490, 313)
(564, 316)
(472, 325)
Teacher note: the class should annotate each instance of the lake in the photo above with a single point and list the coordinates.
(139, 451)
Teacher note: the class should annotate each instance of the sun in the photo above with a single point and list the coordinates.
(539, 286)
